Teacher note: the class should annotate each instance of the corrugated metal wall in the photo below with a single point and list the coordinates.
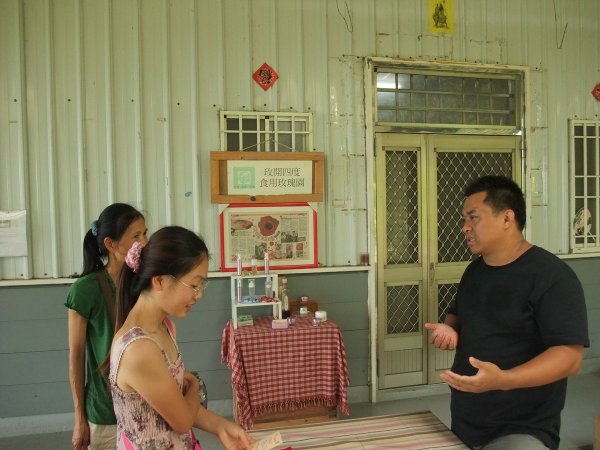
(118, 100)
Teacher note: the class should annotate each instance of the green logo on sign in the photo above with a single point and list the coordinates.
(243, 177)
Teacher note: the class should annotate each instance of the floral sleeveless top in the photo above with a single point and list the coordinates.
(139, 426)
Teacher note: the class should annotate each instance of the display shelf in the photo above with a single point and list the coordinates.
(259, 290)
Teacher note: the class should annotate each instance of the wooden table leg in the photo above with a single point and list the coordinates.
(597, 433)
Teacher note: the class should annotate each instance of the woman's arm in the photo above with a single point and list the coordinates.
(77, 334)
(143, 369)
(231, 435)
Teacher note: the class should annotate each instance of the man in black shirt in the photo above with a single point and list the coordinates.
(518, 325)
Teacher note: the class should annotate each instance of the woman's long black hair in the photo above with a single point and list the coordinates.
(172, 250)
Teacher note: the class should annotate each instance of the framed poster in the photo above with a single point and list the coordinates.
(287, 231)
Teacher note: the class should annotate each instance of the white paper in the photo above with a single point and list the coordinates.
(13, 233)
(267, 443)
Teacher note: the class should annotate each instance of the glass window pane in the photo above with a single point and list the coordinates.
(403, 99)
(432, 83)
(578, 186)
(470, 84)
(499, 119)
(483, 85)
(386, 115)
(591, 157)
(249, 124)
(418, 99)
(418, 81)
(403, 81)
(483, 102)
(578, 149)
(284, 141)
(591, 186)
(405, 116)
(450, 84)
(499, 86)
(419, 116)
(249, 142)
(484, 119)
(433, 117)
(470, 118)
(386, 99)
(470, 101)
(386, 80)
(299, 125)
(232, 124)
(232, 141)
(283, 125)
(433, 100)
(450, 101)
(454, 95)
(450, 117)
(500, 103)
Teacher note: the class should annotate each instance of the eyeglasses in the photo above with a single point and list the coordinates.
(198, 290)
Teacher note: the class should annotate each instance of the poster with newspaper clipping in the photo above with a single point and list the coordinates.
(287, 232)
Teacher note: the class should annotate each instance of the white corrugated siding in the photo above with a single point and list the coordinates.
(104, 101)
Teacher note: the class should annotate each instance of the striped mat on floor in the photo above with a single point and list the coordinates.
(420, 430)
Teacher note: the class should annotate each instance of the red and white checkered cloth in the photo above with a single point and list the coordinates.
(284, 370)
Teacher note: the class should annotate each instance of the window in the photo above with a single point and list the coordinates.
(584, 143)
(266, 131)
(436, 99)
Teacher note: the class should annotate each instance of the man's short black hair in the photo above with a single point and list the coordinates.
(502, 193)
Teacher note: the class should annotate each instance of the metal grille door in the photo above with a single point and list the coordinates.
(420, 183)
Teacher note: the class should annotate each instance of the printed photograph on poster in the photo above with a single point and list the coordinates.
(287, 231)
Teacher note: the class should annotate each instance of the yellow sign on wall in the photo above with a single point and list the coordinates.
(441, 16)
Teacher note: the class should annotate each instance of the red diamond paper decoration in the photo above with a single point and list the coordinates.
(265, 76)
(596, 92)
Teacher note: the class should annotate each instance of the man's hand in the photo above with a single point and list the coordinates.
(442, 336)
(489, 377)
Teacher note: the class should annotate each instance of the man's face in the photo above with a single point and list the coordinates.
(484, 230)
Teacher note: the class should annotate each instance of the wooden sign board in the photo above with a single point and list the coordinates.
(266, 177)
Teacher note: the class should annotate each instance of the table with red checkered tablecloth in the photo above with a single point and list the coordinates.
(285, 370)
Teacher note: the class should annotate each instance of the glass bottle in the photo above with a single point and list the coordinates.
(284, 297)
(238, 286)
(268, 286)
(251, 288)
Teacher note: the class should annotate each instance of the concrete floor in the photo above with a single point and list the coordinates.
(577, 418)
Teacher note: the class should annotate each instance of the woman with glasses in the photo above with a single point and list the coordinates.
(156, 400)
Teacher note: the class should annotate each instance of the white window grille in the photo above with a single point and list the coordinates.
(266, 131)
(584, 152)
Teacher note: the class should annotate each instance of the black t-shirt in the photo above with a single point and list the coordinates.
(508, 315)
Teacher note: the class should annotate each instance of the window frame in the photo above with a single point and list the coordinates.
(267, 123)
(579, 199)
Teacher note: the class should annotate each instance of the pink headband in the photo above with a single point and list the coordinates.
(133, 258)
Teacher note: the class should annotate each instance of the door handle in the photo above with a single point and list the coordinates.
(431, 273)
